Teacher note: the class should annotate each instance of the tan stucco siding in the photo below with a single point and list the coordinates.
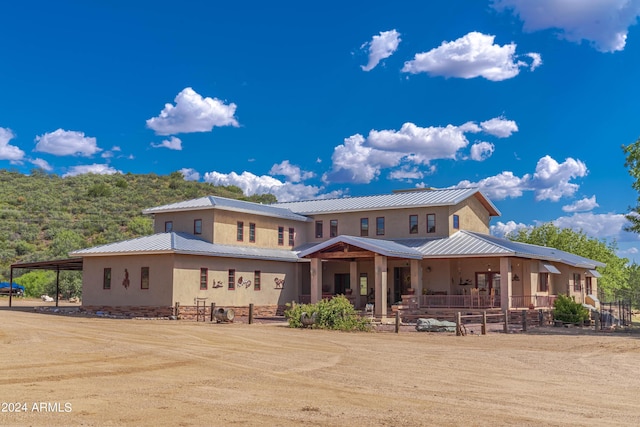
(187, 281)
(396, 223)
(160, 280)
(184, 222)
(473, 217)
(226, 229)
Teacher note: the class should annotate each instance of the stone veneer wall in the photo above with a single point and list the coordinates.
(189, 312)
(185, 312)
(130, 310)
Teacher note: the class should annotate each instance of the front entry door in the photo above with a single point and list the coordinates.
(401, 283)
(486, 282)
(341, 283)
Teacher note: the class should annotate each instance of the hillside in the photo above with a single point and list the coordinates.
(45, 216)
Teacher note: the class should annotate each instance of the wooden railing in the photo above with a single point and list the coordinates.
(473, 301)
(460, 301)
(533, 301)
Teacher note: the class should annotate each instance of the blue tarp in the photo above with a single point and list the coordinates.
(15, 286)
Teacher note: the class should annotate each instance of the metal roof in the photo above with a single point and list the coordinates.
(67, 264)
(185, 243)
(468, 243)
(223, 203)
(380, 246)
(425, 198)
(461, 244)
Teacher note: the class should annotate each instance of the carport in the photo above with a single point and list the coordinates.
(58, 265)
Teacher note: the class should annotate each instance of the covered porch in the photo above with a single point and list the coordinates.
(384, 273)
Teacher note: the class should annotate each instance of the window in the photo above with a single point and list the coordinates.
(232, 279)
(588, 286)
(380, 226)
(252, 232)
(456, 222)
(256, 280)
(204, 277)
(431, 223)
(364, 284)
(144, 278)
(413, 224)
(577, 285)
(106, 278)
(280, 236)
(364, 226)
(292, 234)
(240, 231)
(543, 282)
(319, 229)
(197, 226)
(168, 226)
(333, 228)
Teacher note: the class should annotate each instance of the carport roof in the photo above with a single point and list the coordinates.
(67, 264)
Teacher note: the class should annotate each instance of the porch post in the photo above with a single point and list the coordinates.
(416, 276)
(505, 283)
(354, 282)
(316, 280)
(381, 285)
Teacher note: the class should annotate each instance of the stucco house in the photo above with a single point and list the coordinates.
(431, 243)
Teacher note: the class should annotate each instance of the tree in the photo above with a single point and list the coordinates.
(632, 153)
(615, 275)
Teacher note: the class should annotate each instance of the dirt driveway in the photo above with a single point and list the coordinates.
(63, 370)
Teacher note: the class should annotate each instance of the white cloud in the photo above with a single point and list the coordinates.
(8, 151)
(502, 229)
(252, 184)
(355, 162)
(190, 174)
(604, 23)
(380, 47)
(601, 226)
(173, 143)
(481, 151)
(473, 55)
(110, 153)
(500, 127)
(193, 113)
(422, 144)
(500, 186)
(582, 205)
(551, 179)
(67, 143)
(409, 174)
(291, 172)
(360, 159)
(42, 164)
(536, 60)
(94, 168)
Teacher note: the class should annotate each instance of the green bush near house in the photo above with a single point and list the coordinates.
(565, 309)
(336, 314)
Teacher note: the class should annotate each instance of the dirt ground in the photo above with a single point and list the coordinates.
(81, 371)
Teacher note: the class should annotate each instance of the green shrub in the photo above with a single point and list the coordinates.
(565, 309)
(336, 313)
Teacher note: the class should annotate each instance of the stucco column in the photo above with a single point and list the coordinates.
(381, 285)
(505, 283)
(354, 282)
(416, 276)
(316, 280)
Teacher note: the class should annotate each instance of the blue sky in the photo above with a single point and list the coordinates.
(530, 101)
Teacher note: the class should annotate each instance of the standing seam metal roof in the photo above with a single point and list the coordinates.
(185, 243)
(223, 203)
(426, 198)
